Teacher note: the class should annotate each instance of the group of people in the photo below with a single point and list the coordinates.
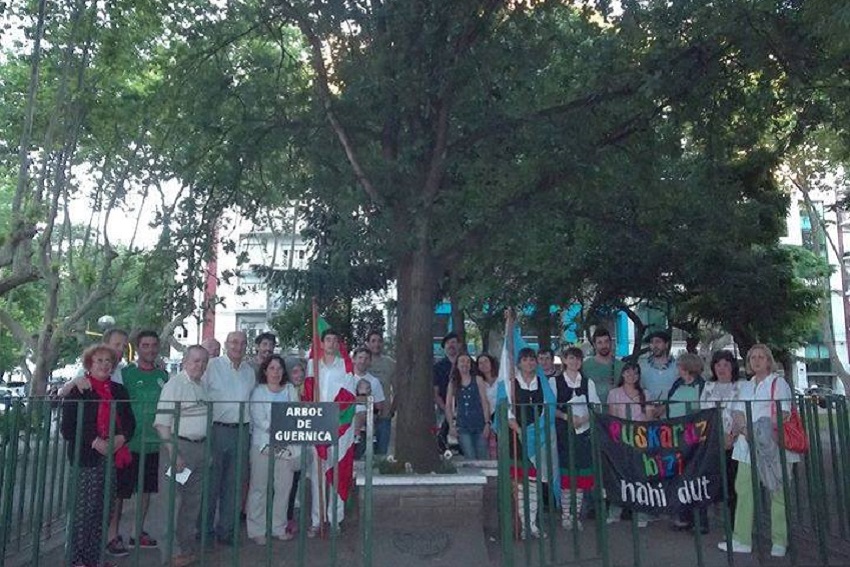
(545, 401)
(132, 422)
(213, 420)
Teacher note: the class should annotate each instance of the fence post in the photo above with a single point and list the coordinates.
(367, 483)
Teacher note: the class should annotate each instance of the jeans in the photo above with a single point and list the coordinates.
(472, 445)
(225, 489)
(383, 428)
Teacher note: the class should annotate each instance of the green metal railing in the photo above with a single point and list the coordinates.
(38, 493)
(816, 492)
(38, 490)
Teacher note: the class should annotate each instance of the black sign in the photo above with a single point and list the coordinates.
(302, 423)
(658, 466)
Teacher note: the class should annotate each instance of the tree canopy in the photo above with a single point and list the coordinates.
(503, 152)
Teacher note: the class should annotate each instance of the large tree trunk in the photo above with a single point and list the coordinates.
(417, 288)
(542, 322)
(458, 321)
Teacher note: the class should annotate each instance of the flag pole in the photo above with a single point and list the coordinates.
(317, 357)
(509, 337)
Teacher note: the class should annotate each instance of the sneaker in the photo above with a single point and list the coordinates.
(570, 524)
(259, 540)
(285, 536)
(312, 531)
(145, 541)
(777, 551)
(642, 523)
(612, 520)
(116, 547)
(737, 547)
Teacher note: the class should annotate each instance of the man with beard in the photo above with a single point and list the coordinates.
(658, 368)
(442, 370)
(602, 367)
(264, 344)
(383, 367)
(603, 370)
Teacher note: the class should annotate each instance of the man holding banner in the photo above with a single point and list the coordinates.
(330, 378)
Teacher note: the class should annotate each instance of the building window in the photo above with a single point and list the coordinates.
(250, 278)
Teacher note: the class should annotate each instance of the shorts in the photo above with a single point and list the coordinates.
(127, 479)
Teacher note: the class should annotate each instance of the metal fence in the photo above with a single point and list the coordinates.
(816, 493)
(40, 490)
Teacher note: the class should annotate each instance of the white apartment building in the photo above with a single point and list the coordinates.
(834, 246)
(245, 301)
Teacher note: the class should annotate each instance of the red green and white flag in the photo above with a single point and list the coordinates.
(346, 400)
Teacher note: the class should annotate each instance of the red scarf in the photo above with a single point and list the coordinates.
(104, 391)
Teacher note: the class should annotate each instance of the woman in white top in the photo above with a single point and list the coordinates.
(723, 391)
(488, 368)
(273, 387)
(760, 391)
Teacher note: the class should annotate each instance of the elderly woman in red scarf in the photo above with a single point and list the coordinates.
(92, 442)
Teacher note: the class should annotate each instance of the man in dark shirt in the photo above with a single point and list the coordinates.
(442, 370)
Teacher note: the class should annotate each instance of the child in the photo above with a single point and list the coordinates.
(364, 390)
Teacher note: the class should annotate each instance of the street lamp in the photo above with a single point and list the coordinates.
(106, 322)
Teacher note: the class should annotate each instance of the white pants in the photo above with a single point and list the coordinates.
(331, 497)
(258, 494)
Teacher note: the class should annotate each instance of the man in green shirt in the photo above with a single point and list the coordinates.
(602, 367)
(144, 381)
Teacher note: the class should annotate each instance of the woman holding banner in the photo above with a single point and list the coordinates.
(760, 392)
(628, 401)
(723, 391)
(684, 399)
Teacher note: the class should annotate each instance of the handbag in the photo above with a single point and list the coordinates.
(794, 434)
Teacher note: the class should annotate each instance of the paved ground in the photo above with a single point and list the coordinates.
(435, 542)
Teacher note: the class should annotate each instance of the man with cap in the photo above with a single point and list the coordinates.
(442, 370)
(658, 368)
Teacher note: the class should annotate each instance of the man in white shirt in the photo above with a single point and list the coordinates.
(336, 383)
(183, 443)
(229, 381)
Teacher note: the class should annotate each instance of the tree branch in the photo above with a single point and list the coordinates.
(17, 330)
(18, 278)
(323, 88)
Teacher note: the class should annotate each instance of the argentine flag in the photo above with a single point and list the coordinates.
(545, 423)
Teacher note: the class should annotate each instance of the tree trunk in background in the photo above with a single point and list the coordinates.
(417, 288)
(542, 322)
(458, 325)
